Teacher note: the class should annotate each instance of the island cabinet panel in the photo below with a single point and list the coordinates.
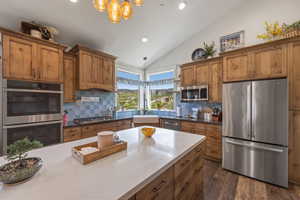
(187, 76)
(236, 67)
(71, 134)
(201, 73)
(69, 78)
(162, 188)
(25, 59)
(269, 62)
(95, 69)
(294, 147)
(19, 58)
(294, 75)
(50, 68)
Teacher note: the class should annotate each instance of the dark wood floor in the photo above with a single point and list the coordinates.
(221, 184)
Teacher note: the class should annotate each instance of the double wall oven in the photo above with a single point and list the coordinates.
(32, 110)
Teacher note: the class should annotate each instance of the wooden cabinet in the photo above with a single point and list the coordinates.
(89, 131)
(236, 67)
(264, 61)
(294, 147)
(215, 81)
(294, 75)
(187, 76)
(94, 69)
(207, 72)
(162, 188)
(27, 59)
(71, 134)
(213, 133)
(201, 73)
(69, 78)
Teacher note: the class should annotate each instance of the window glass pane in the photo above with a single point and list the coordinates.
(128, 75)
(128, 94)
(162, 96)
(162, 76)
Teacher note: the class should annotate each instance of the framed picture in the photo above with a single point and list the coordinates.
(232, 41)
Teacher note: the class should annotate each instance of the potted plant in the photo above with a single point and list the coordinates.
(19, 167)
(273, 31)
(209, 50)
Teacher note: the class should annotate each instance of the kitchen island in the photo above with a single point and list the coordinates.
(166, 166)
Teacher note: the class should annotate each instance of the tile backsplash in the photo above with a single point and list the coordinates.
(84, 109)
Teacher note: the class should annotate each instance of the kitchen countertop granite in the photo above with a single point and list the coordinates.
(118, 176)
(73, 124)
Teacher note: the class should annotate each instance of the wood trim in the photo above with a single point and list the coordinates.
(199, 62)
(78, 48)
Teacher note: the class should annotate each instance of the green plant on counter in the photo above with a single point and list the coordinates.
(209, 50)
(18, 150)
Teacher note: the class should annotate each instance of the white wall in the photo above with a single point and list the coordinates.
(250, 17)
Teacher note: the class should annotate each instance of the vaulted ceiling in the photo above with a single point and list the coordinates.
(159, 20)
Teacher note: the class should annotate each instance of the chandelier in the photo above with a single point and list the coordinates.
(116, 10)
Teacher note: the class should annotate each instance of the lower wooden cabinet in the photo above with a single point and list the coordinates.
(77, 133)
(213, 133)
(294, 147)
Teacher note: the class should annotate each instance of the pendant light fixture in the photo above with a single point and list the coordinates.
(138, 2)
(126, 10)
(114, 11)
(100, 5)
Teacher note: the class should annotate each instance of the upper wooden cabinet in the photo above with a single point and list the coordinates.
(69, 78)
(207, 72)
(258, 62)
(294, 74)
(95, 69)
(31, 59)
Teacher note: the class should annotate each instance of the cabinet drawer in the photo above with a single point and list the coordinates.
(161, 188)
(71, 134)
(200, 128)
(188, 127)
(89, 131)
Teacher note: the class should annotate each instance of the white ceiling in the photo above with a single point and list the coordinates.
(165, 26)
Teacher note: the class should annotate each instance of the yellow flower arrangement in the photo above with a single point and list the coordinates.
(273, 31)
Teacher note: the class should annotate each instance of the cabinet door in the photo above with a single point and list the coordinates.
(294, 75)
(97, 71)
(187, 76)
(215, 82)
(201, 72)
(269, 62)
(50, 67)
(19, 58)
(236, 67)
(69, 79)
(109, 74)
(85, 70)
(294, 147)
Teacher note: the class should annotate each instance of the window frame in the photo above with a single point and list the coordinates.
(139, 89)
(148, 90)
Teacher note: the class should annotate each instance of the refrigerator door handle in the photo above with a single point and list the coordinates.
(255, 146)
(249, 110)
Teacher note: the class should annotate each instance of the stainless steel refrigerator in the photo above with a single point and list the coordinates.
(255, 129)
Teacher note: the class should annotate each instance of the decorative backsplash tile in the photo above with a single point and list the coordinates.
(84, 109)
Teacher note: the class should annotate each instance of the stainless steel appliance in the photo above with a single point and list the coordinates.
(195, 93)
(172, 124)
(255, 129)
(28, 102)
(32, 110)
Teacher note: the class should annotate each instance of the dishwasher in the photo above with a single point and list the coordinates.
(172, 124)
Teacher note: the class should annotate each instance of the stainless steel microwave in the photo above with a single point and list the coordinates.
(194, 93)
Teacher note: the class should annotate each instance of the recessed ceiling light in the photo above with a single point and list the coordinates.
(144, 39)
(74, 1)
(182, 5)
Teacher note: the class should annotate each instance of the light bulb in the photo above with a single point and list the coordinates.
(100, 5)
(126, 10)
(138, 2)
(114, 11)
(182, 5)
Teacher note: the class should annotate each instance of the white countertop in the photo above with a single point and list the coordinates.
(115, 177)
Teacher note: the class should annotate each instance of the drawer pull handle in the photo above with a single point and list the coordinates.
(185, 163)
(156, 189)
